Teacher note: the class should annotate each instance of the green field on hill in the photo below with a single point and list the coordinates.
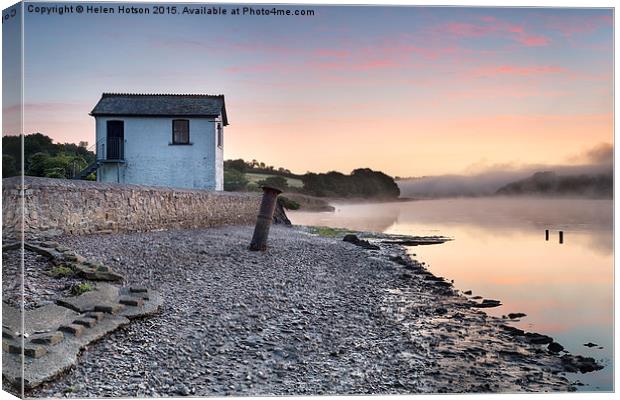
(255, 178)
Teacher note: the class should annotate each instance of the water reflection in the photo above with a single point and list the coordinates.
(500, 252)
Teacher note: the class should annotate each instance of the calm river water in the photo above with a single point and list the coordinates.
(499, 251)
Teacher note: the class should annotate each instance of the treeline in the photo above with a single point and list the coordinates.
(44, 158)
(257, 167)
(550, 184)
(361, 183)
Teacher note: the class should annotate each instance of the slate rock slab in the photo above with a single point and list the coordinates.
(46, 318)
(104, 295)
(58, 357)
(151, 302)
(56, 333)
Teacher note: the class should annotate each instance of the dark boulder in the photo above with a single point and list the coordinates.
(350, 238)
(537, 338)
(487, 303)
(555, 347)
(513, 331)
(579, 363)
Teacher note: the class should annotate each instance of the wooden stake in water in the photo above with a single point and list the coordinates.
(547, 234)
(561, 237)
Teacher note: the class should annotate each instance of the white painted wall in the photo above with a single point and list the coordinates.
(151, 159)
(219, 159)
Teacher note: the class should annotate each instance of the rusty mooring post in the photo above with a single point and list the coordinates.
(265, 216)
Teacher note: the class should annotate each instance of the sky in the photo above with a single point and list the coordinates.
(411, 91)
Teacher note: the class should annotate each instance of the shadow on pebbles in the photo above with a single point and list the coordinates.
(311, 315)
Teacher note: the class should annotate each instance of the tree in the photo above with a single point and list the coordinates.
(362, 182)
(8, 166)
(234, 180)
(41, 150)
(37, 164)
(239, 164)
(59, 166)
(278, 182)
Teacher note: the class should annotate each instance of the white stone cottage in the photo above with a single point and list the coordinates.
(174, 140)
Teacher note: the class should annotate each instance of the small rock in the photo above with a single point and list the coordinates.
(182, 390)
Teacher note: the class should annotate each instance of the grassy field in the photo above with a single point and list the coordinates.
(254, 178)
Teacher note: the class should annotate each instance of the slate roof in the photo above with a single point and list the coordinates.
(169, 105)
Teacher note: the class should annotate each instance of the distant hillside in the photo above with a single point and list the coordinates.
(440, 186)
(241, 175)
(486, 183)
(550, 184)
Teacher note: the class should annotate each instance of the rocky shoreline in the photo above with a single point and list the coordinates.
(312, 315)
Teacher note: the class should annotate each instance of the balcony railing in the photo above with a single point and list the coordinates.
(111, 149)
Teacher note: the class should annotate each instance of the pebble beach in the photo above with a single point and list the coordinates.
(309, 316)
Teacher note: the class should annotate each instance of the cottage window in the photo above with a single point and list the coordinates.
(220, 136)
(180, 131)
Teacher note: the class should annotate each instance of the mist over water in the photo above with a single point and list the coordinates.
(486, 180)
(499, 251)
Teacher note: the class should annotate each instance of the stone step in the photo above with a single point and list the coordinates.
(87, 322)
(50, 338)
(109, 308)
(74, 329)
(8, 334)
(96, 315)
(29, 350)
(131, 301)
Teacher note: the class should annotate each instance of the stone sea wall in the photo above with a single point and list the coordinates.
(57, 206)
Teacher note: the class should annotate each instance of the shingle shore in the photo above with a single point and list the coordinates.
(311, 315)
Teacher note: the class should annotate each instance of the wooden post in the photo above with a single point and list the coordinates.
(547, 234)
(561, 237)
(265, 217)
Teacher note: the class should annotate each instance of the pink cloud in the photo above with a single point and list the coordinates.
(317, 66)
(503, 92)
(571, 25)
(534, 40)
(517, 70)
(468, 30)
(491, 26)
(332, 53)
(33, 109)
(488, 18)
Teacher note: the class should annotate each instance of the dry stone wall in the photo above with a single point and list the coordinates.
(57, 206)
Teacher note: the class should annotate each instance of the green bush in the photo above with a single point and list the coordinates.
(326, 231)
(83, 287)
(62, 271)
(288, 203)
(9, 167)
(278, 182)
(59, 166)
(252, 187)
(234, 180)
